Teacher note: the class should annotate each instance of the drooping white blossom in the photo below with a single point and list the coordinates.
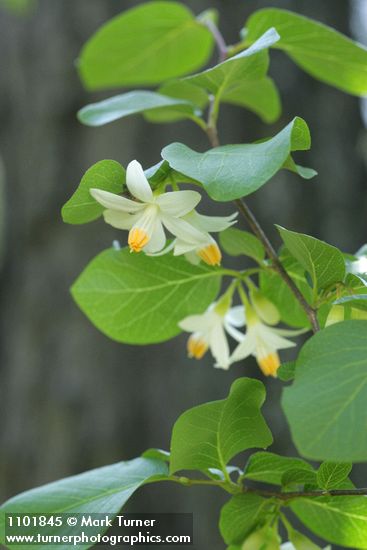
(209, 331)
(148, 215)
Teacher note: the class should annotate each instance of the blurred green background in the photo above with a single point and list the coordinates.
(70, 399)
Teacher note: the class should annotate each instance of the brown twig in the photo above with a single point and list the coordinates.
(277, 265)
(245, 211)
(305, 494)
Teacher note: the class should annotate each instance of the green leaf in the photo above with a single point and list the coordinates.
(319, 50)
(250, 64)
(120, 293)
(299, 476)
(209, 435)
(19, 7)
(331, 474)
(303, 171)
(145, 45)
(241, 243)
(299, 541)
(178, 89)
(235, 171)
(260, 96)
(241, 79)
(217, 474)
(108, 175)
(341, 520)
(156, 454)
(103, 490)
(326, 405)
(131, 103)
(278, 292)
(266, 538)
(358, 301)
(269, 467)
(241, 515)
(324, 262)
(286, 371)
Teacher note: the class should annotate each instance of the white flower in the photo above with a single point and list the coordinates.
(208, 331)
(205, 249)
(263, 342)
(200, 246)
(146, 217)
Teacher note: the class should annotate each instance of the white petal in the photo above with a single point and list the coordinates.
(272, 339)
(148, 220)
(115, 202)
(182, 247)
(210, 224)
(219, 346)
(162, 252)
(244, 349)
(236, 316)
(197, 323)
(120, 220)
(178, 203)
(157, 239)
(192, 257)
(184, 231)
(137, 183)
(236, 334)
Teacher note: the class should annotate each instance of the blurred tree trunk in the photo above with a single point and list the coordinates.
(70, 398)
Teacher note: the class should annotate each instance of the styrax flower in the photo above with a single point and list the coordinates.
(201, 246)
(263, 342)
(208, 331)
(205, 249)
(146, 217)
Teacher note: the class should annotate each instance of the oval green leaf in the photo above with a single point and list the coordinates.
(120, 293)
(326, 405)
(131, 103)
(241, 79)
(324, 262)
(331, 474)
(145, 45)
(269, 467)
(108, 175)
(318, 49)
(103, 490)
(209, 435)
(236, 242)
(341, 520)
(241, 515)
(235, 171)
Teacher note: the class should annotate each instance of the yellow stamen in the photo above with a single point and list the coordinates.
(211, 254)
(196, 347)
(269, 364)
(137, 239)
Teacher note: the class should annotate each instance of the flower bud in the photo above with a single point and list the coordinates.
(336, 314)
(265, 309)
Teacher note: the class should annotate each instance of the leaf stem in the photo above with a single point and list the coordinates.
(219, 40)
(226, 484)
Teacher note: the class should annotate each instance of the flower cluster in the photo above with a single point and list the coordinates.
(261, 339)
(149, 214)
